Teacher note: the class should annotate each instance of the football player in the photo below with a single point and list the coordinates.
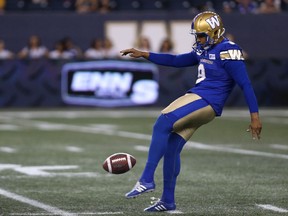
(220, 66)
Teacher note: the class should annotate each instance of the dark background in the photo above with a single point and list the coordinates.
(261, 36)
(29, 83)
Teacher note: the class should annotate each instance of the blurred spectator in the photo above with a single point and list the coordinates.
(231, 37)
(70, 47)
(59, 52)
(86, 6)
(4, 53)
(95, 51)
(34, 49)
(270, 6)
(38, 4)
(228, 6)
(143, 43)
(247, 6)
(199, 6)
(104, 6)
(109, 51)
(208, 6)
(2, 6)
(166, 46)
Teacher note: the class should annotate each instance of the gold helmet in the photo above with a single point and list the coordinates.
(208, 24)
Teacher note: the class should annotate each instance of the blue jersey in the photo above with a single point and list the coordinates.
(219, 69)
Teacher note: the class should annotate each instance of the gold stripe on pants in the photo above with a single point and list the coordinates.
(188, 124)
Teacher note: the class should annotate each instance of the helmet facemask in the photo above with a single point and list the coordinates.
(200, 47)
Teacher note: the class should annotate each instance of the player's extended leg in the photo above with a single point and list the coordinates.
(162, 129)
(161, 132)
(200, 113)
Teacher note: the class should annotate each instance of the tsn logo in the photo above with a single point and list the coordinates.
(110, 85)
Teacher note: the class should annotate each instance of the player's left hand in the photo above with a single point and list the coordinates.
(255, 128)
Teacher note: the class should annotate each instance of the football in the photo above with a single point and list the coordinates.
(119, 163)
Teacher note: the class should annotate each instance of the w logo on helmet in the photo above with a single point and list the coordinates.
(213, 22)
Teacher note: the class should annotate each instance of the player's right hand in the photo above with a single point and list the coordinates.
(134, 53)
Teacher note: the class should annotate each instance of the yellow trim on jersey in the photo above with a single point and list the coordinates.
(233, 54)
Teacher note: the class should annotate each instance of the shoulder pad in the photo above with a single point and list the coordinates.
(231, 51)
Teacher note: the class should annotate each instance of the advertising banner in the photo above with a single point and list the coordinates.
(110, 83)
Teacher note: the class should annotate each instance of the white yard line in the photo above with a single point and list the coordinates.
(99, 213)
(80, 114)
(35, 203)
(234, 150)
(74, 149)
(272, 208)
(141, 148)
(126, 113)
(127, 134)
(7, 149)
(74, 213)
(221, 149)
(279, 146)
(175, 212)
(196, 145)
(8, 127)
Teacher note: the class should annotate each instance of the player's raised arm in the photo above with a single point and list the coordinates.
(182, 60)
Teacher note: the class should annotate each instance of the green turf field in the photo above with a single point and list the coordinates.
(51, 164)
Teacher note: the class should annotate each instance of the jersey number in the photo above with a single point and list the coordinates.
(201, 74)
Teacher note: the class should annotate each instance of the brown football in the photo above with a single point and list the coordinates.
(119, 163)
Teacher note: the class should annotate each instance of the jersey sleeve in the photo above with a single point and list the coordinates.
(231, 51)
(182, 60)
(232, 60)
(237, 70)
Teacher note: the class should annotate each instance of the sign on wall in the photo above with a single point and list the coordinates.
(109, 83)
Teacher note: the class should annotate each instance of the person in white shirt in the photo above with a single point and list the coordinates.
(59, 52)
(4, 53)
(34, 49)
(95, 51)
(109, 51)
